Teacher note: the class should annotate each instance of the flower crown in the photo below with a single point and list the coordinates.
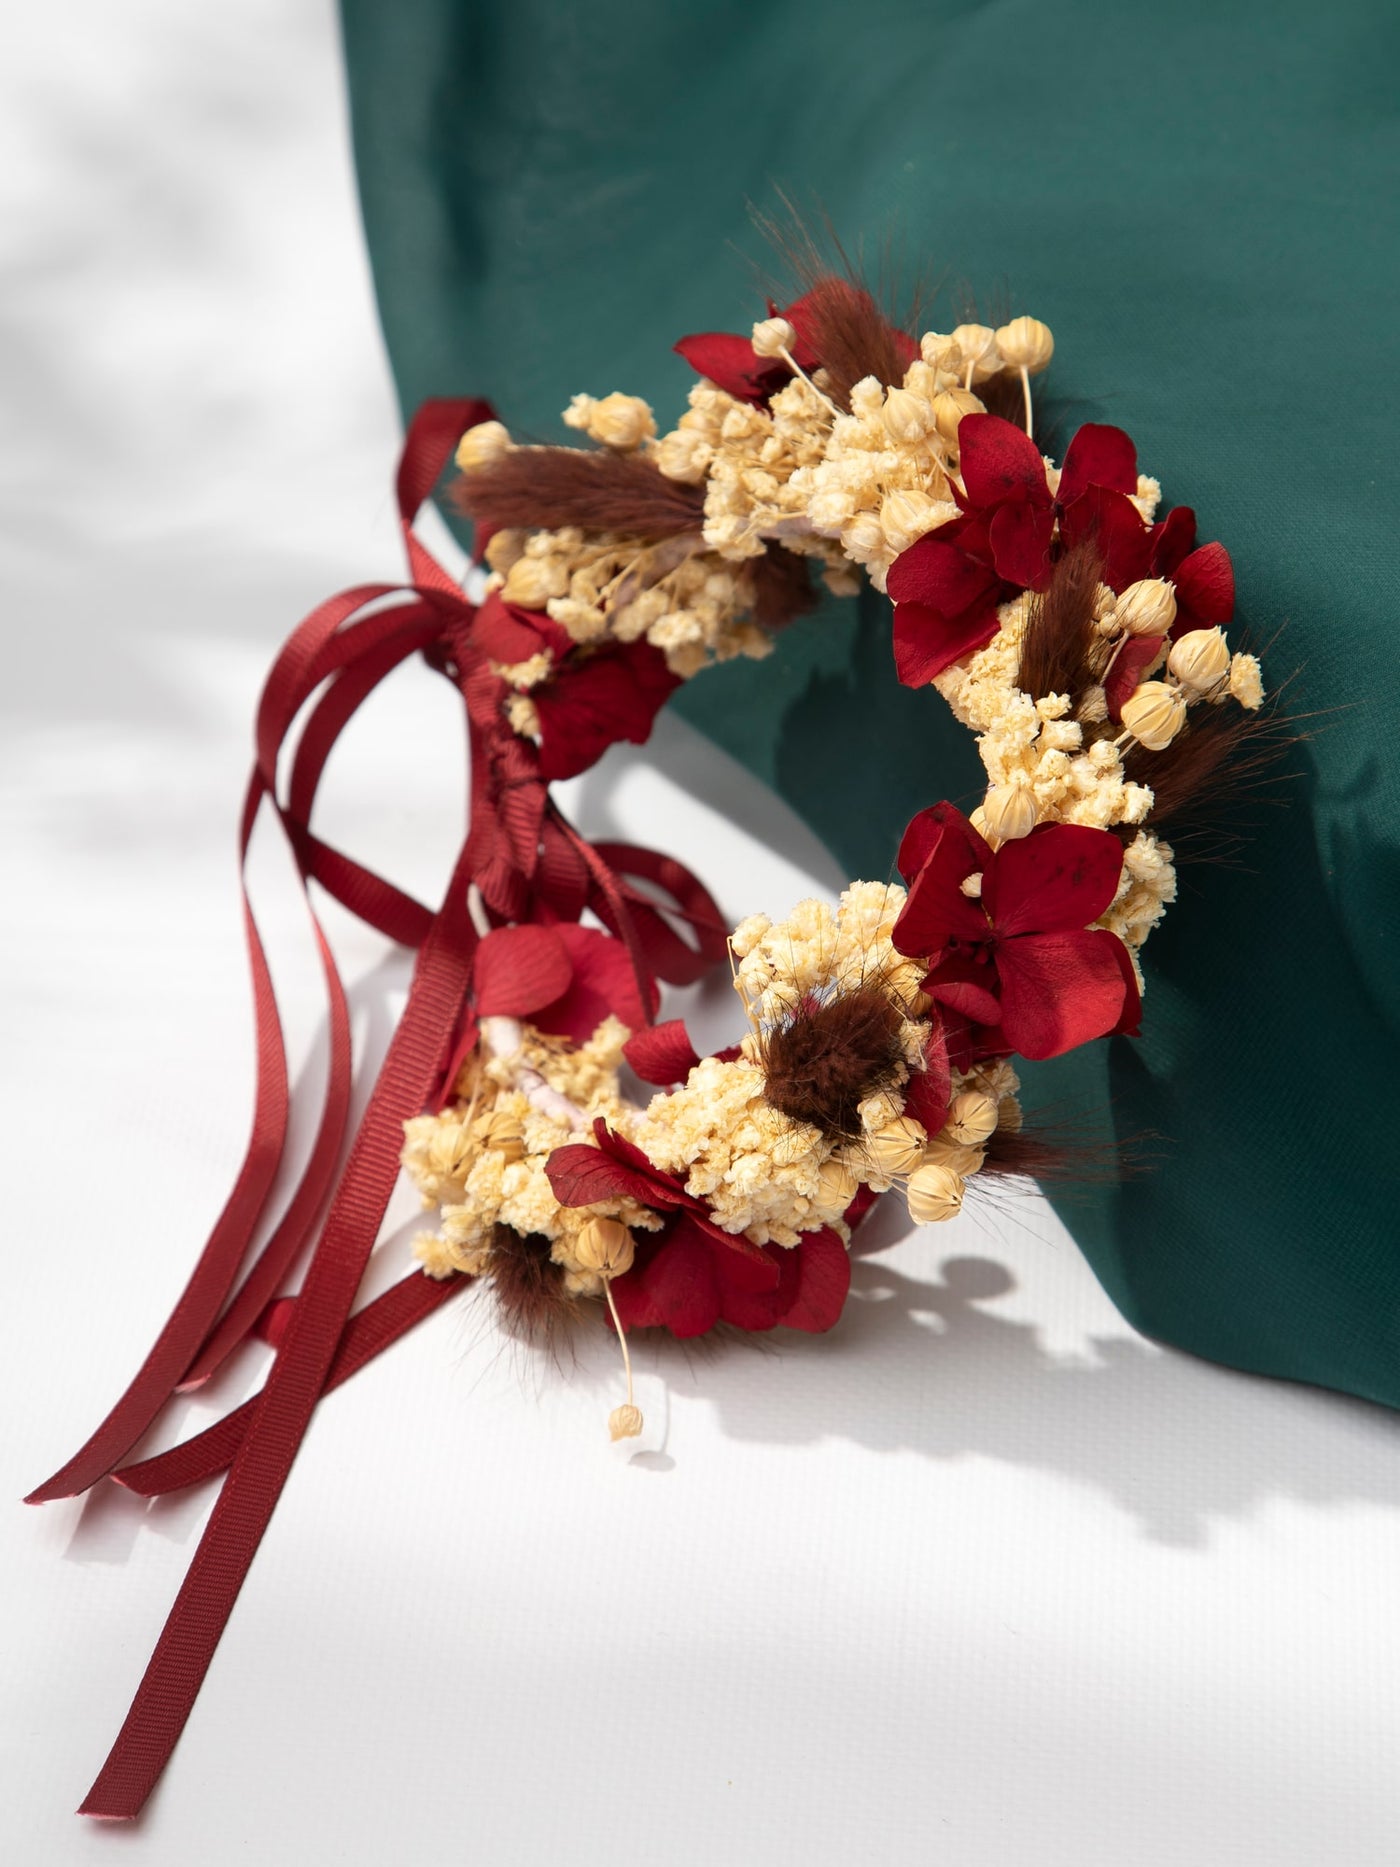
(1081, 639)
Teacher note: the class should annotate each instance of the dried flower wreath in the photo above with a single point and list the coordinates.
(1077, 635)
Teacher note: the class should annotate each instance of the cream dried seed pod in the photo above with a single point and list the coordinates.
(837, 1185)
(1008, 812)
(1154, 714)
(949, 407)
(482, 446)
(939, 352)
(863, 536)
(907, 417)
(1200, 660)
(897, 1148)
(978, 344)
(771, 336)
(905, 517)
(1246, 681)
(1026, 344)
(604, 1246)
(625, 1422)
(501, 1134)
(934, 1193)
(621, 421)
(1146, 608)
(450, 1150)
(972, 1118)
(945, 1152)
(683, 455)
(532, 581)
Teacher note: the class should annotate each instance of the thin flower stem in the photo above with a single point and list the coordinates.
(797, 368)
(621, 1336)
(1026, 391)
(1118, 648)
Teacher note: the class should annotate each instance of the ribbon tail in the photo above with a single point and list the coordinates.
(264, 1459)
(214, 1274)
(369, 1332)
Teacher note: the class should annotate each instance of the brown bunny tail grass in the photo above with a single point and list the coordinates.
(1059, 639)
(782, 587)
(823, 1060)
(529, 1287)
(851, 329)
(597, 491)
(1223, 757)
(1063, 1152)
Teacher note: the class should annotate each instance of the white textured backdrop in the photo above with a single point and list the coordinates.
(981, 1578)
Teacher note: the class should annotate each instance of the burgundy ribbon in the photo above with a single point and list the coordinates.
(527, 863)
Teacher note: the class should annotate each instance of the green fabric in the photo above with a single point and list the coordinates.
(1203, 205)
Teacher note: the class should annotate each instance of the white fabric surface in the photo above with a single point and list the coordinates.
(980, 1578)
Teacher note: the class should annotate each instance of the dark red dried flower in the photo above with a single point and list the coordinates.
(592, 698)
(948, 586)
(822, 1061)
(685, 1281)
(1020, 960)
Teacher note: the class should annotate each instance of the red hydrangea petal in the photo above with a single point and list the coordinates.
(671, 1285)
(1132, 661)
(965, 989)
(926, 830)
(985, 1042)
(582, 1176)
(1205, 589)
(740, 1264)
(662, 1053)
(1112, 523)
(1057, 879)
(937, 911)
(998, 462)
(517, 970)
(731, 363)
(865, 1198)
(1098, 456)
(824, 1278)
(508, 633)
(617, 1147)
(905, 346)
(667, 1189)
(941, 572)
(1020, 536)
(1172, 538)
(1130, 1019)
(1059, 990)
(755, 1312)
(590, 704)
(615, 1169)
(926, 1098)
(926, 641)
(604, 981)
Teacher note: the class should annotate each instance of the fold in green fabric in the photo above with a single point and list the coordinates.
(1203, 207)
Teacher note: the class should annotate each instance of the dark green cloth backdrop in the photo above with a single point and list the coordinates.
(1202, 203)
